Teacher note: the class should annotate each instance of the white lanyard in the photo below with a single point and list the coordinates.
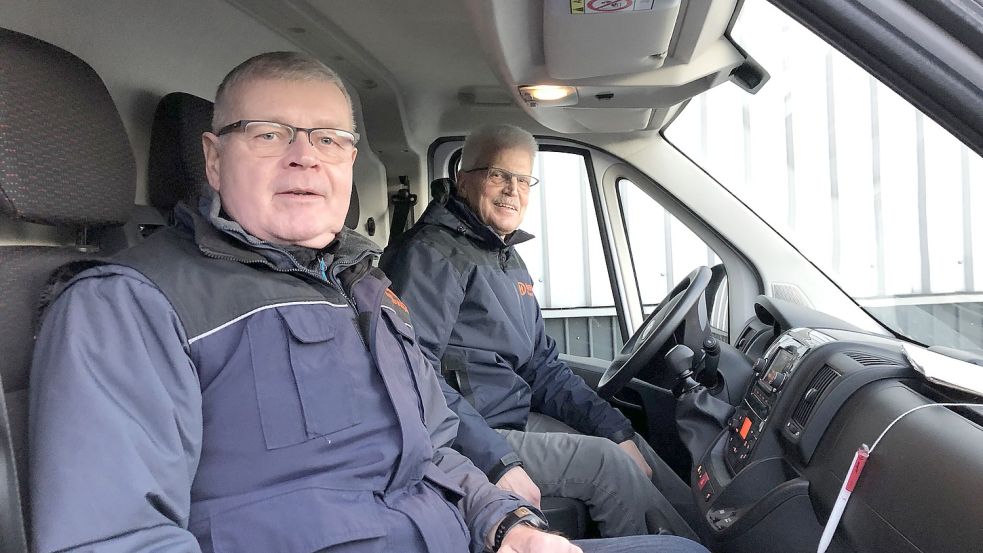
(857, 466)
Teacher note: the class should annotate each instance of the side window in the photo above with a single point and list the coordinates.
(664, 251)
(566, 260)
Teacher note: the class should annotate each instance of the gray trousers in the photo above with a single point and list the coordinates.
(565, 463)
(641, 544)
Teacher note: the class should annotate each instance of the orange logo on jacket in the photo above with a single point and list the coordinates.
(396, 301)
(524, 288)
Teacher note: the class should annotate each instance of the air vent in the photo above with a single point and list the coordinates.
(819, 383)
(870, 360)
(790, 293)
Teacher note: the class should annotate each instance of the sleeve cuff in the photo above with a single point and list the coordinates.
(622, 435)
(505, 464)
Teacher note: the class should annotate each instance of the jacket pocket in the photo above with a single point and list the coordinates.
(491, 382)
(401, 327)
(404, 338)
(301, 389)
(302, 521)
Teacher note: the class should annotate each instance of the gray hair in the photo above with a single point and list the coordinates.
(282, 66)
(485, 141)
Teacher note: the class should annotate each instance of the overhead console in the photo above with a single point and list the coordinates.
(636, 37)
(611, 65)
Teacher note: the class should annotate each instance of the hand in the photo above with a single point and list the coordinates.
(516, 480)
(632, 450)
(526, 539)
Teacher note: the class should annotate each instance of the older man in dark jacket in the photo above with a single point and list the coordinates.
(476, 317)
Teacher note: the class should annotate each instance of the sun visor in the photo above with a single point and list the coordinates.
(584, 39)
(611, 119)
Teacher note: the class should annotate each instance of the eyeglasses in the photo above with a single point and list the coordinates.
(270, 139)
(501, 177)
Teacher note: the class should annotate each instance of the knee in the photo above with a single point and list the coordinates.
(615, 460)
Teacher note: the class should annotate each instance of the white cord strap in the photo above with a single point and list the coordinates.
(857, 466)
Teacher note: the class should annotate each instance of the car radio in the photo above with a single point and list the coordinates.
(774, 370)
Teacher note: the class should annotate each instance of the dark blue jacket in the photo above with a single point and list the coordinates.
(477, 317)
(207, 392)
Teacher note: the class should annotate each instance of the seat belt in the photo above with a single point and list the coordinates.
(403, 203)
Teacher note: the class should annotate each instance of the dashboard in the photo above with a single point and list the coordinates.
(820, 390)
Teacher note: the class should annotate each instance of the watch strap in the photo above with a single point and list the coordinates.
(505, 464)
(522, 515)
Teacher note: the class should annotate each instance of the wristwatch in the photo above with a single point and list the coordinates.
(522, 515)
(503, 465)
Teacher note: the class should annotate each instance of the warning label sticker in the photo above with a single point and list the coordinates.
(610, 6)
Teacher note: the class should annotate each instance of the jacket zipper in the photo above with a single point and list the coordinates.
(322, 277)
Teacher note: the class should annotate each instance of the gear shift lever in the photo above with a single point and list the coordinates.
(700, 417)
(680, 363)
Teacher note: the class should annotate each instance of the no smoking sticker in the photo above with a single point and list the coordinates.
(609, 6)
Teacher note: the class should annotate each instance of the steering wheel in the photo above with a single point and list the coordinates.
(681, 305)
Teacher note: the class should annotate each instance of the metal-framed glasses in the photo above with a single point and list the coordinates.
(501, 177)
(270, 139)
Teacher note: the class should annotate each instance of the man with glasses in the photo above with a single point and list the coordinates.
(244, 381)
(472, 303)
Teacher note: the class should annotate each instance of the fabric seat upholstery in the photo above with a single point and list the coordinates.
(66, 162)
(176, 168)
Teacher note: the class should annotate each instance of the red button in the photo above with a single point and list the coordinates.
(745, 427)
(704, 478)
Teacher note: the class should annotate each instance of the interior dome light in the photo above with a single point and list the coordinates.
(549, 95)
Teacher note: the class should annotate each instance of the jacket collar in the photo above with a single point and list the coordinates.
(459, 217)
(218, 236)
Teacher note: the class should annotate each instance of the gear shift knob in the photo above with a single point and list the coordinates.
(680, 360)
(680, 364)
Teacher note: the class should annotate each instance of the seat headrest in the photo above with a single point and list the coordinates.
(176, 170)
(65, 158)
(440, 189)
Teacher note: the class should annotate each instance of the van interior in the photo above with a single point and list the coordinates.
(797, 182)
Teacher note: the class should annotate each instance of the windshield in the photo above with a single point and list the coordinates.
(873, 192)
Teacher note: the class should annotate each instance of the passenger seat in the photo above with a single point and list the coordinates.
(66, 163)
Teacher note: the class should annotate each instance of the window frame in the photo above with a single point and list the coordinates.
(671, 278)
(744, 282)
